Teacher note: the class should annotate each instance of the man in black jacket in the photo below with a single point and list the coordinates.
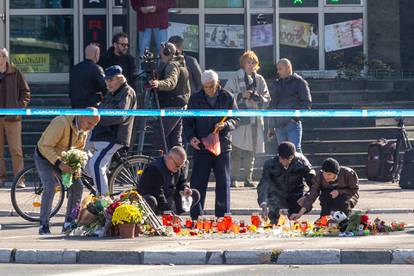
(173, 92)
(112, 133)
(86, 80)
(281, 186)
(118, 55)
(291, 92)
(196, 128)
(193, 67)
(163, 181)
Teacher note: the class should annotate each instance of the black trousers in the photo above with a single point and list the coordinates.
(329, 204)
(174, 203)
(173, 130)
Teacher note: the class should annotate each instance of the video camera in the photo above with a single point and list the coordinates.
(149, 64)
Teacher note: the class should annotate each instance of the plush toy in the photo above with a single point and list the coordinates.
(341, 219)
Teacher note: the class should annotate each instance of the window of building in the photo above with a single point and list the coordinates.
(41, 4)
(262, 41)
(257, 4)
(299, 40)
(344, 39)
(186, 26)
(224, 41)
(187, 3)
(224, 3)
(42, 44)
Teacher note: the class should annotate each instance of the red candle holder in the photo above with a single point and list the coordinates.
(255, 219)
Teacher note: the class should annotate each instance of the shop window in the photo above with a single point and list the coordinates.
(299, 40)
(42, 44)
(262, 41)
(41, 4)
(344, 39)
(298, 3)
(224, 3)
(224, 41)
(186, 26)
(187, 3)
(256, 4)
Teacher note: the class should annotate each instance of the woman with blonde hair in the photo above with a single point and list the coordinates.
(251, 92)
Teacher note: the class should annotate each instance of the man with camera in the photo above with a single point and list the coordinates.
(173, 88)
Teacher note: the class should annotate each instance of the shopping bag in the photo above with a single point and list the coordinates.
(212, 141)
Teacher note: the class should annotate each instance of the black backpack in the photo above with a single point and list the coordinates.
(407, 173)
(380, 161)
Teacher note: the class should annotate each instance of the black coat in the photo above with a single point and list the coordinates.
(86, 84)
(116, 129)
(195, 73)
(202, 126)
(127, 63)
(160, 183)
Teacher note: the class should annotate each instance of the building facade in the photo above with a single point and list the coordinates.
(46, 37)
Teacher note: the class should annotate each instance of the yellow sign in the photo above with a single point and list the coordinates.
(32, 63)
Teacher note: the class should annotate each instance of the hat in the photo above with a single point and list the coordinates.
(113, 71)
(330, 165)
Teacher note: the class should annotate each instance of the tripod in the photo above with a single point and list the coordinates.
(403, 143)
(149, 94)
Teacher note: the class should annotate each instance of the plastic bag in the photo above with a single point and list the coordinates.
(186, 202)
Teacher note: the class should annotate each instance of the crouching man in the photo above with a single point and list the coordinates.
(336, 187)
(281, 186)
(164, 179)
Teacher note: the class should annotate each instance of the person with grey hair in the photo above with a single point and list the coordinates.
(290, 91)
(212, 96)
(14, 93)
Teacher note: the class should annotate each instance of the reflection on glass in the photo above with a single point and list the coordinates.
(185, 26)
(343, 39)
(261, 42)
(261, 4)
(224, 3)
(42, 44)
(224, 41)
(187, 3)
(299, 40)
(41, 4)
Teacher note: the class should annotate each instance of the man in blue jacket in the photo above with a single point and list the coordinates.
(195, 128)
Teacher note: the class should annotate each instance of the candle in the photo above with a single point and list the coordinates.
(177, 228)
(189, 223)
(199, 225)
(255, 219)
(167, 218)
(228, 220)
(220, 225)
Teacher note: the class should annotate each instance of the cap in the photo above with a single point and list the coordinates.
(330, 165)
(113, 71)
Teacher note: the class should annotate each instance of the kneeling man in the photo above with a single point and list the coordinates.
(164, 179)
(336, 187)
(281, 186)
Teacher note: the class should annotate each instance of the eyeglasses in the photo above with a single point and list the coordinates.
(125, 45)
(177, 164)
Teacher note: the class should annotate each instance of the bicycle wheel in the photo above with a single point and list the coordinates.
(27, 201)
(126, 175)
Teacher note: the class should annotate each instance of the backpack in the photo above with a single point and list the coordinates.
(380, 160)
(407, 173)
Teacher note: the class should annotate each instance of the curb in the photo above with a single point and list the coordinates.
(210, 257)
(249, 211)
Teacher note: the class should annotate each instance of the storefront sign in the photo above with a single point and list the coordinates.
(262, 35)
(94, 30)
(32, 63)
(224, 36)
(186, 31)
(343, 35)
(298, 34)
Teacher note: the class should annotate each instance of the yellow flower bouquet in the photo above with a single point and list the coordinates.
(126, 214)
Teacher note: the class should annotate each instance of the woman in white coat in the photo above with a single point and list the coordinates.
(251, 92)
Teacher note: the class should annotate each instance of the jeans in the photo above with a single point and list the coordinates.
(237, 156)
(204, 162)
(12, 131)
(49, 177)
(145, 38)
(173, 131)
(292, 132)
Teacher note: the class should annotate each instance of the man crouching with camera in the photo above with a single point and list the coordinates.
(173, 92)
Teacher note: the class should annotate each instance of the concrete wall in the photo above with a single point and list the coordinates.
(384, 31)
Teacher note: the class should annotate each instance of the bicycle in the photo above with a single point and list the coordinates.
(123, 174)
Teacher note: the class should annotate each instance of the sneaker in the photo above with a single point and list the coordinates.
(21, 185)
(234, 184)
(44, 230)
(249, 184)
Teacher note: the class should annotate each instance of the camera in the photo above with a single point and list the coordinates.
(149, 64)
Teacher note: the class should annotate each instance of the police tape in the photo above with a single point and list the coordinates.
(319, 113)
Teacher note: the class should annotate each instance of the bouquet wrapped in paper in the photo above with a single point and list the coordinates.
(76, 159)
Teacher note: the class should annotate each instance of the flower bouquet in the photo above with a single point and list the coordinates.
(126, 216)
(76, 159)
